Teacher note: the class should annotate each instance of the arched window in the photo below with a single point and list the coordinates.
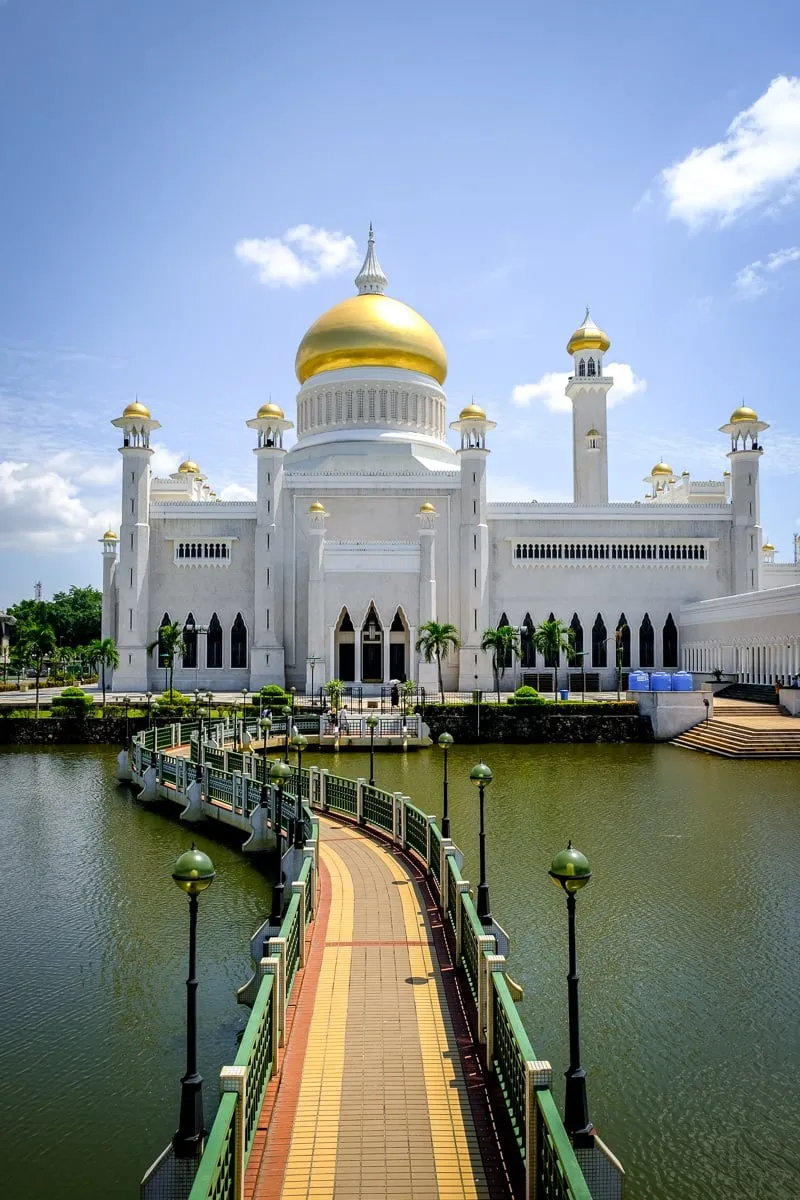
(581, 368)
(647, 643)
(238, 643)
(527, 649)
(214, 643)
(345, 648)
(190, 642)
(575, 656)
(163, 657)
(509, 656)
(372, 648)
(552, 660)
(599, 642)
(622, 637)
(590, 370)
(670, 642)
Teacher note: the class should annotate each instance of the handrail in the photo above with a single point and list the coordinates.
(217, 1170)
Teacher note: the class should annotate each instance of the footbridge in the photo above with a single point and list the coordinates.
(384, 1055)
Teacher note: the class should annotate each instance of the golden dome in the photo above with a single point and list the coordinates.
(135, 409)
(189, 468)
(743, 414)
(588, 337)
(371, 330)
(270, 410)
(427, 507)
(768, 548)
(661, 468)
(316, 507)
(110, 536)
(472, 411)
(594, 433)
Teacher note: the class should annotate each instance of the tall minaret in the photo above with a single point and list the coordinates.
(132, 573)
(474, 666)
(108, 618)
(427, 675)
(587, 388)
(267, 664)
(317, 648)
(744, 428)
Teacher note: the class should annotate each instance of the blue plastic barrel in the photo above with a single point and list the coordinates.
(660, 681)
(682, 682)
(563, 694)
(639, 681)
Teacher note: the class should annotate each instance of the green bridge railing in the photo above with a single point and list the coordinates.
(546, 1158)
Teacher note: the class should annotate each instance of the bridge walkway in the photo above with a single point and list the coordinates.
(379, 1092)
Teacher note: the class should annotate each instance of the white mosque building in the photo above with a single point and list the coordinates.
(372, 524)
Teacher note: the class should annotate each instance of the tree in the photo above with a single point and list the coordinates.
(552, 638)
(169, 643)
(38, 643)
(75, 615)
(435, 641)
(502, 642)
(103, 654)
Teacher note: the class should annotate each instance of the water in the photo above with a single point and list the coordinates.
(93, 964)
(687, 944)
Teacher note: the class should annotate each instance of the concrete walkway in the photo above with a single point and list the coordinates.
(378, 1095)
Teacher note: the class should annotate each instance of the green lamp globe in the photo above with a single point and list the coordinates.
(372, 721)
(193, 871)
(481, 774)
(570, 869)
(266, 724)
(299, 741)
(280, 772)
(445, 740)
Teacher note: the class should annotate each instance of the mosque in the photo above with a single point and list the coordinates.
(372, 524)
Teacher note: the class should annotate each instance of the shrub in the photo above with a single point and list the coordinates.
(73, 702)
(273, 696)
(526, 695)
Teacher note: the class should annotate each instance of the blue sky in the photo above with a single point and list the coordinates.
(517, 163)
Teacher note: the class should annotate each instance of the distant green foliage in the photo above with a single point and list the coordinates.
(74, 616)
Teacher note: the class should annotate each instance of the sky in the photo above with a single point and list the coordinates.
(187, 186)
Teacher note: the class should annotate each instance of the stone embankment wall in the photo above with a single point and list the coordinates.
(63, 731)
(536, 723)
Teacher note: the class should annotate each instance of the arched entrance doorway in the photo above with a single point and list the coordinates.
(398, 647)
(371, 648)
(345, 648)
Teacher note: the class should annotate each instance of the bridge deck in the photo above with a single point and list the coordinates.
(373, 1097)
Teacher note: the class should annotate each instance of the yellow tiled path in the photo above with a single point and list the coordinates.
(382, 1109)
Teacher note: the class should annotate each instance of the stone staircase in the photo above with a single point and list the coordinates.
(745, 730)
(755, 693)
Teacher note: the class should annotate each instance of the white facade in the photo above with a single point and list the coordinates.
(372, 524)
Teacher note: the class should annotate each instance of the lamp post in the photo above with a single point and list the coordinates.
(293, 694)
(372, 721)
(244, 709)
(126, 702)
(209, 699)
(481, 776)
(445, 741)
(299, 741)
(279, 773)
(266, 725)
(570, 870)
(312, 661)
(193, 873)
(287, 714)
(196, 701)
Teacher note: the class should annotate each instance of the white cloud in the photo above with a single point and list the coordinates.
(235, 491)
(164, 461)
(41, 508)
(550, 388)
(754, 279)
(302, 255)
(758, 161)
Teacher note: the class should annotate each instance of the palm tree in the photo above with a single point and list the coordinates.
(552, 638)
(169, 643)
(502, 642)
(37, 642)
(103, 653)
(435, 641)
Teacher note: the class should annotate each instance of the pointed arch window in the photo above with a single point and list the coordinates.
(214, 643)
(590, 367)
(670, 642)
(345, 648)
(552, 660)
(509, 656)
(163, 656)
(599, 633)
(238, 643)
(647, 642)
(372, 648)
(575, 656)
(581, 368)
(622, 635)
(190, 642)
(527, 648)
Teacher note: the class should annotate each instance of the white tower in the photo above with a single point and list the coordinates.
(474, 666)
(744, 428)
(427, 672)
(267, 661)
(132, 573)
(108, 623)
(587, 388)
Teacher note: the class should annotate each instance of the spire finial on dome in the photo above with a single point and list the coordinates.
(371, 280)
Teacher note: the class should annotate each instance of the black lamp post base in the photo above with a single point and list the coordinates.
(445, 827)
(576, 1109)
(482, 906)
(188, 1142)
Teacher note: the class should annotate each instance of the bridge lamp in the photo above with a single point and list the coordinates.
(482, 776)
(445, 740)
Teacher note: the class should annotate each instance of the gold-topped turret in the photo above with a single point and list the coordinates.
(588, 336)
